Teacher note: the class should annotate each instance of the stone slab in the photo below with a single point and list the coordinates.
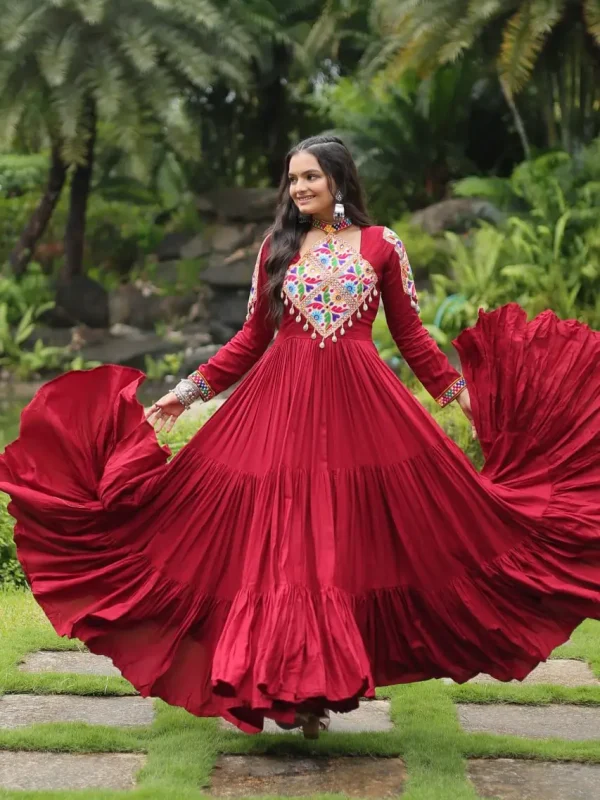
(53, 771)
(560, 671)
(20, 710)
(570, 722)
(69, 662)
(511, 779)
(250, 776)
(372, 716)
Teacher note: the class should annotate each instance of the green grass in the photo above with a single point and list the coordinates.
(182, 749)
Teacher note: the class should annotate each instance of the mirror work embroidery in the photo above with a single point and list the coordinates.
(328, 286)
(408, 281)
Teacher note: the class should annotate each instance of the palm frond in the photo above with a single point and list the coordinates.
(591, 11)
(56, 54)
(92, 11)
(20, 21)
(137, 43)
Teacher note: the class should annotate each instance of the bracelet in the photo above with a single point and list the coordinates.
(186, 392)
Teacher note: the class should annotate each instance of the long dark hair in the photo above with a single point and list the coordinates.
(288, 231)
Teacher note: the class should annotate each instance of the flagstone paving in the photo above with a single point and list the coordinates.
(511, 779)
(52, 771)
(371, 716)
(81, 663)
(569, 722)
(249, 776)
(20, 710)
(560, 671)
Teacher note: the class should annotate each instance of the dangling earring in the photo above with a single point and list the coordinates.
(339, 212)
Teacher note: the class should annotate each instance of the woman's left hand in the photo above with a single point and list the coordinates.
(464, 401)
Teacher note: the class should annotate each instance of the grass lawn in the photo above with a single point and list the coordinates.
(182, 749)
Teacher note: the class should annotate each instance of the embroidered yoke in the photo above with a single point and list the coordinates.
(332, 291)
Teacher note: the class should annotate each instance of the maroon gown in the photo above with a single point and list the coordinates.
(321, 535)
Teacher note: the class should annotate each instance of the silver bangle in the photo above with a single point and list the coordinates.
(186, 392)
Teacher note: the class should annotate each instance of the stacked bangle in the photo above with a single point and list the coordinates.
(186, 392)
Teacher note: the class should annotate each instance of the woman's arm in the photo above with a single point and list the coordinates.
(241, 353)
(416, 345)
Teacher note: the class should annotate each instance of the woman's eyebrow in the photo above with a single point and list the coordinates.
(306, 172)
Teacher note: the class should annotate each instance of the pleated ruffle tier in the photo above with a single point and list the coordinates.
(320, 535)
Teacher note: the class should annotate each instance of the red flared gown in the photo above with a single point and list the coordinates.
(321, 535)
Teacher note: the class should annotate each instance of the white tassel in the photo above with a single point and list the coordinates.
(365, 306)
(322, 344)
(375, 292)
(334, 338)
(285, 302)
(350, 323)
(305, 327)
(298, 318)
(292, 310)
(342, 331)
(359, 315)
(314, 335)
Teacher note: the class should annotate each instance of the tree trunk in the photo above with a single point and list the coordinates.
(80, 192)
(23, 250)
(517, 118)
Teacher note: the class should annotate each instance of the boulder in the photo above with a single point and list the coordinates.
(233, 276)
(133, 306)
(82, 299)
(171, 247)
(458, 214)
(196, 247)
(229, 308)
(227, 238)
(249, 205)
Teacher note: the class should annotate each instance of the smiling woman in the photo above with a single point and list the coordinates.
(320, 535)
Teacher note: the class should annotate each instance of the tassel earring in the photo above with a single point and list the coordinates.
(339, 212)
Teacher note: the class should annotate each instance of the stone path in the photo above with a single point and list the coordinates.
(248, 776)
(81, 663)
(511, 779)
(252, 775)
(51, 771)
(570, 722)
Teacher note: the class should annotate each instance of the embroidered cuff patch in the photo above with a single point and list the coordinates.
(206, 393)
(452, 392)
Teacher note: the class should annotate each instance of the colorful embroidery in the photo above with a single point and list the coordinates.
(206, 393)
(408, 281)
(452, 392)
(328, 285)
(254, 287)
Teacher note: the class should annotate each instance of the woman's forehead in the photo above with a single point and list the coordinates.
(304, 162)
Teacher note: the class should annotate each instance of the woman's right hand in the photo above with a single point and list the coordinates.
(165, 412)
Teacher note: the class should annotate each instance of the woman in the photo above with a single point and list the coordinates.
(320, 535)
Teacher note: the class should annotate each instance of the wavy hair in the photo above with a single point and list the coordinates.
(288, 231)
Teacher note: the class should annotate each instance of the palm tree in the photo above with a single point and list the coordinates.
(124, 62)
(551, 45)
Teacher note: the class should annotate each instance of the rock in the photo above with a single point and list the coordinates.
(249, 205)
(21, 710)
(559, 671)
(83, 300)
(457, 214)
(68, 662)
(289, 776)
(230, 237)
(511, 779)
(229, 308)
(234, 276)
(197, 247)
(172, 245)
(31, 771)
(571, 722)
(198, 355)
(133, 306)
(130, 353)
(221, 333)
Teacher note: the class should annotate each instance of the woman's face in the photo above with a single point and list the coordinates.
(309, 188)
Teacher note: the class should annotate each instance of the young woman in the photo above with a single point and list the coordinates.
(320, 535)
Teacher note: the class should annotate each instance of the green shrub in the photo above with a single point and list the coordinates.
(22, 173)
(11, 574)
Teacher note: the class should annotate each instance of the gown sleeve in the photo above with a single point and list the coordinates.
(242, 351)
(416, 345)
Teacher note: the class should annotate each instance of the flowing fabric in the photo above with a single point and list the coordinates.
(321, 535)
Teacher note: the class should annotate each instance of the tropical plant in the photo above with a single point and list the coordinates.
(126, 63)
(553, 45)
(11, 574)
(22, 173)
(409, 138)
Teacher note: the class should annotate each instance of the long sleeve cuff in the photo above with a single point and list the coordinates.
(205, 389)
(452, 392)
